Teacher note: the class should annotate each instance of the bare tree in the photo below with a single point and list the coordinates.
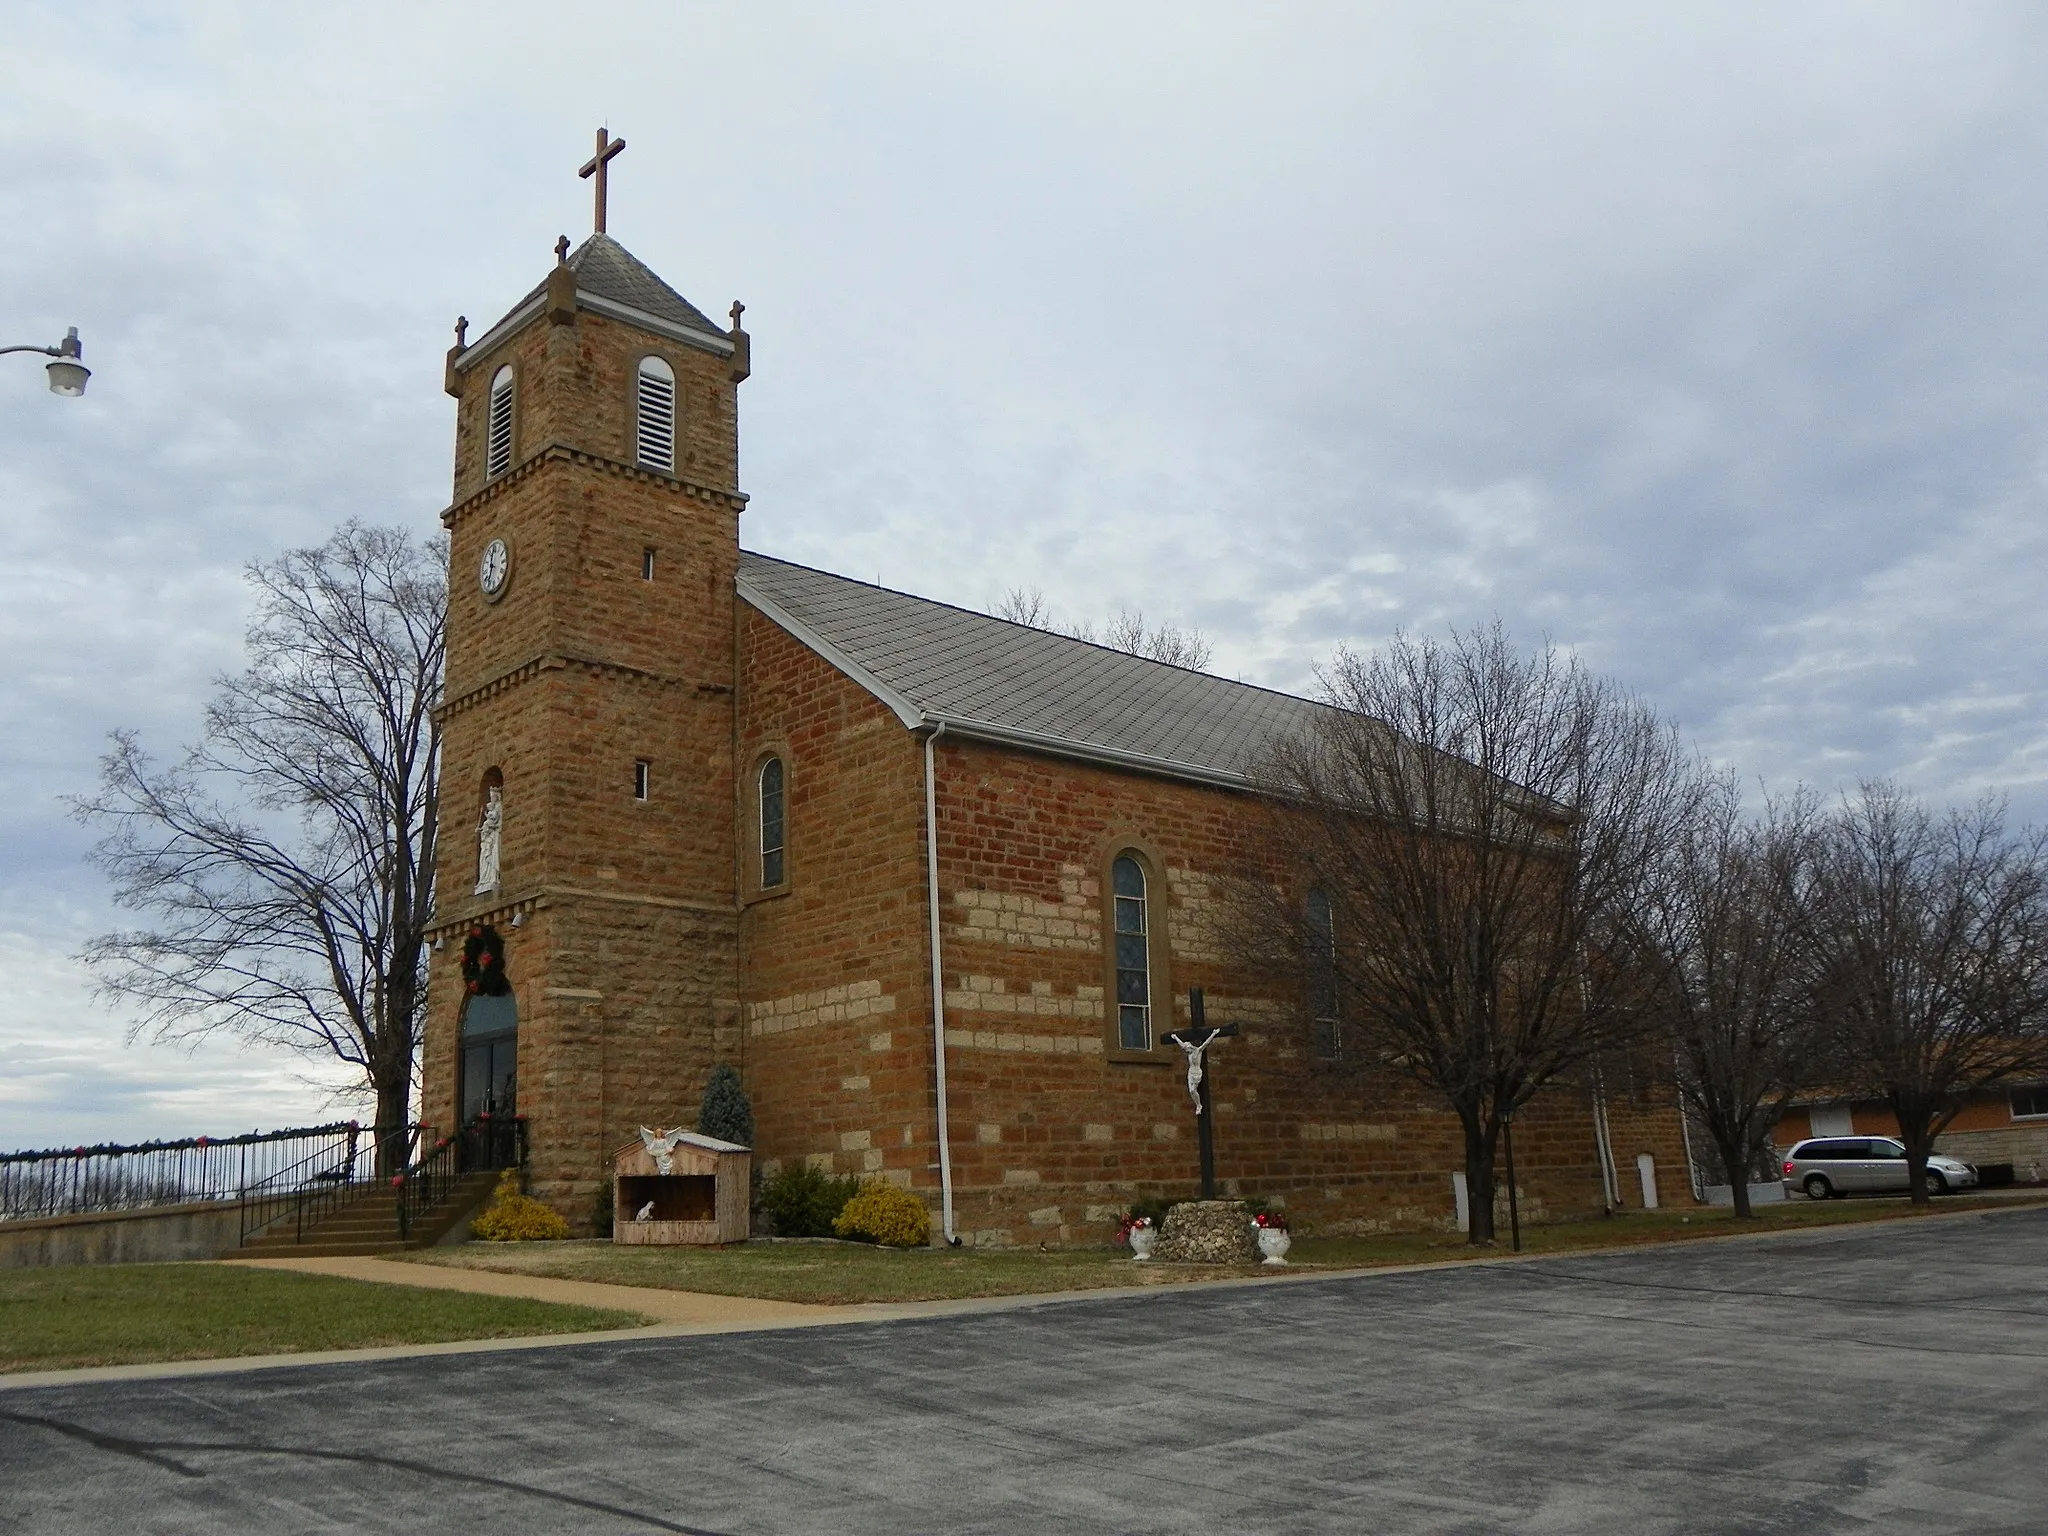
(1719, 933)
(1931, 941)
(1128, 631)
(287, 859)
(1457, 834)
(1027, 606)
(1164, 641)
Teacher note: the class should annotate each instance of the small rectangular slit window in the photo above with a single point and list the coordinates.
(640, 780)
(647, 565)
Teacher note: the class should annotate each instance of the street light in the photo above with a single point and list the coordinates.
(68, 373)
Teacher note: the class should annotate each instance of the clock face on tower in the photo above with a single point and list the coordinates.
(494, 569)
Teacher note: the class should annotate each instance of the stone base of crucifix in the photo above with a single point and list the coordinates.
(1208, 1232)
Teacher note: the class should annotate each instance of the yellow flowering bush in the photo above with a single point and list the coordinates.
(517, 1218)
(882, 1213)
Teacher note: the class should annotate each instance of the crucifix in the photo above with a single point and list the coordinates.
(598, 166)
(1195, 1041)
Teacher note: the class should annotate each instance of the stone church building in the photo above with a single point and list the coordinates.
(937, 884)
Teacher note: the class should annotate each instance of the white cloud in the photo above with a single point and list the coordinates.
(1706, 341)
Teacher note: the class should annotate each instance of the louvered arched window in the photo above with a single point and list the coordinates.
(657, 415)
(498, 435)
(772, 870)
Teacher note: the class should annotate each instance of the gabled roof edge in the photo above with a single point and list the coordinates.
(596, 303)
(1090, 752)
(905, 710)
(915, 718)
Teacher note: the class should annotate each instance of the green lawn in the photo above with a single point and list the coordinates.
(838, 1273)
(129, 1314)
(1626, 1230)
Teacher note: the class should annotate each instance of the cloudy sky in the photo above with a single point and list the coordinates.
(1710, 340)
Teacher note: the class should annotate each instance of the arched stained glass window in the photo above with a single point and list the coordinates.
(656, 436)
(1133, 955)
(1326, 1027)
(498, 433)
(771, 823)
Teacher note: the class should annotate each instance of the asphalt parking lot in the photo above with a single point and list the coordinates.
(1884, 1378)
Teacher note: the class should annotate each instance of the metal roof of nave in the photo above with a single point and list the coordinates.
(993, 679)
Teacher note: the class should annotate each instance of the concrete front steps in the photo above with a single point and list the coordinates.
(368, 1224)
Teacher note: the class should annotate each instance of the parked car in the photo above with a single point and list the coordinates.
(1857, 1165)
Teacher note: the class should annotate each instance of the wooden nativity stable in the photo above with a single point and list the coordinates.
(700, 1196)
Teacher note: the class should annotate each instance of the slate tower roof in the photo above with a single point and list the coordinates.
(611, 280)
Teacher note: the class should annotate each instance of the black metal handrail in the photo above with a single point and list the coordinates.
(493, 1141)
(114, 1177)
(311, 1188)
(426, 1184)
(319, 1181)
(484, 1142)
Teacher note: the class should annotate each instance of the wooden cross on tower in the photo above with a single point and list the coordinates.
(598, 166)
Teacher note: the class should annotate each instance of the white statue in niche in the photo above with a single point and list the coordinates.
(487, 835)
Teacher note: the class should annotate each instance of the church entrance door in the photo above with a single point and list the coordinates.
(490, 1080)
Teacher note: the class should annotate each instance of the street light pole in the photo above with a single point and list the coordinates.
(68, 373)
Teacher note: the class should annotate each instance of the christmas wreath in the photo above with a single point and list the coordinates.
(483, 963)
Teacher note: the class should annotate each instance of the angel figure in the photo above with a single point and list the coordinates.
(662, 1148)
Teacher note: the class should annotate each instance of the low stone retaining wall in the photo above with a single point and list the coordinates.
(1208, 1232)
(156, 1236)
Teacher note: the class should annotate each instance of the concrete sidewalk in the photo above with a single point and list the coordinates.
(679, 1309)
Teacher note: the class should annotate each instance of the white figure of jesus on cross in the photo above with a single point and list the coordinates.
(1194, 1054)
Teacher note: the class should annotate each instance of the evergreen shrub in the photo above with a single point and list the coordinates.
(725, 1112)
(804, 1202)
(1152, 1209)
(517, 1218)
(883, 1213)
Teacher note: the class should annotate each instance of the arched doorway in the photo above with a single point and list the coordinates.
(489, 1077)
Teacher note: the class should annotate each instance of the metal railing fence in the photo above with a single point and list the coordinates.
(111, 1177)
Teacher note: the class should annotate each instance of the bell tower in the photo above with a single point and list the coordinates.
(586, 803)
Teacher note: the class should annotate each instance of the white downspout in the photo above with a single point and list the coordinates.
(1692, 1169)
(931, 876)
(1603, 1140)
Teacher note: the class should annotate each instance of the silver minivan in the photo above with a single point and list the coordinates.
(1858, 1165)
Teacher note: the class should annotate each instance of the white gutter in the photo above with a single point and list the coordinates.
(931, 876)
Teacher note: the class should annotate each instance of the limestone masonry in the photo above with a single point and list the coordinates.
(714, 846)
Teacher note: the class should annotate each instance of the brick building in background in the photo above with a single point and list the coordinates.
(746, 811)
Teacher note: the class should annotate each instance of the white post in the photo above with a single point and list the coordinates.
(1646, 1170)
(1464, 1199)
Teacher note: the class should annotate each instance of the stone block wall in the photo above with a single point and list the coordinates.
(618, 911)
(838, 1044)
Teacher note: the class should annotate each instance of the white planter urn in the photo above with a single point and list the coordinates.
(1141, 1240)
(1274, 1243)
